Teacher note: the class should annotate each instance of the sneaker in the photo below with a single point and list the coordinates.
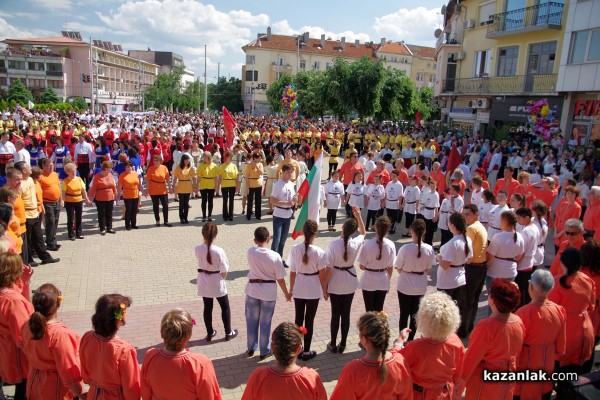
(168, 224)
(211, 335)
(265, 356)
(249, 353)
(209, 219)
(341, 348)
(203, 219)
(135, 227)
(50, 260)
(111, 231)
(103, 232)
(304, 356)
(79, 236)
(231, 335)
(33, 264)
(157, 224)
(332, 347)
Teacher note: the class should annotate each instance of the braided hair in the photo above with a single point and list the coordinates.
(285, 342)
(460, 223)
(510, 218)
(374, 327)
(348, 229)
(209, 233)
(46, 300)
(541, 211)
(310, 231)
(382, 226)
(571, 259)
(418, 227)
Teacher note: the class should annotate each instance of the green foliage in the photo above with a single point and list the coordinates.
(19, 93)
(79, 104)
(3, 105)
(397, 96)
(49, 96)
(168, 94)
(275, 91)
(226, 93)
(311, 89)
(365, 83)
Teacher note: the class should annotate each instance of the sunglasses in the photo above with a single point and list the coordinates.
(571, 233)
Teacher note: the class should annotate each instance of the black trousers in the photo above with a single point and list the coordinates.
(105, 209)
(84, 173)
(254, 197)
(341, 304)
(348, 208)
(430, 228)
(207, 200)
(522, 280)
(331, 216)
(332, 167)
(410, 218)
(51, 215)
(393, 216)
(371, 217)
(131, 210)
(35, 239)
(306, 310)
(475, 277)
(458, 295)
(163, 199)
(409, 305)
(374, 299)
(228, 196)
(446, 235)
(74, 211)
(225, 313)
(184, 206)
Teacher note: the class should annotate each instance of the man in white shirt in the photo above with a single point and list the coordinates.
(494, 166)
(283, 198)
(84, 158)
(21, 154)
(7, 152)
(531, 236)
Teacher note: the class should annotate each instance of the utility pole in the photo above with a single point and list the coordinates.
(93, 104)
(218, 71)
(205, 84)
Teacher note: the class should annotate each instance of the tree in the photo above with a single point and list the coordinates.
(166, 90)
(397, 95)
(424, 106)
(49, 96)
(19, 93)
(310, 87)
(79, 103)
(336, 88)
(226, 93)
(275, 92)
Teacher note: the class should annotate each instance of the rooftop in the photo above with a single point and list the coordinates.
(394, 48)
(422, 51)
(47, 40)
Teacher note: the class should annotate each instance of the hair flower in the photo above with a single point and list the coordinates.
(60, 298)
(120, 315)
(193, 322)
(303, 330)
(383, 314)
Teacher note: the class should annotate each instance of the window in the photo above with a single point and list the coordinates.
(486, 11)
(251, 60)
(53, 67)
(248, 89)
(482, 63)
(327, 65)
(303, 64)
(541, 58)
(37, 83)
(585, 47)
(36, 66)
(281, 62)
(420, 76)
(55, 84)
(507, 61)
(14, 64)
(317, 66)
(249, 76)
(2, 64)
(432, 78)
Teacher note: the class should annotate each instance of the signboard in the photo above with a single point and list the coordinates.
(587, 111)
(114, 109)
(514, 108)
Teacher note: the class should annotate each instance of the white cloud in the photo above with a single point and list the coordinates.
(53, 4)
(87, 29)
(9, 31)
(31, 16)
(283, 28)
(414, 26)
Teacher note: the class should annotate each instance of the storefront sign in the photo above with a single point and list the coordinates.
(514, 108)
(586, 110)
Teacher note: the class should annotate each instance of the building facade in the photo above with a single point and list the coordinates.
(166, 60)
(493, 57)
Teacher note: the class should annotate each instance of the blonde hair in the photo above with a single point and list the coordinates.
(70, 167)
(176, 329)
(11, 269)
(4, 244)
(438, 316)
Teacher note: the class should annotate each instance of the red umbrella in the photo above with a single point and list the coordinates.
(418, 118)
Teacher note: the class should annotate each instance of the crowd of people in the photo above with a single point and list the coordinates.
(493, 233)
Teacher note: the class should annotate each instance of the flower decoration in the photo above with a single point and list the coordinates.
(60, 298)
(120, 315)
(289, 101)
(383, 314)
(193, 322)
(543, 120)
(303, 330)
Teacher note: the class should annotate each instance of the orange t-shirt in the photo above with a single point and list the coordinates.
(268, 384)
(38, 195)
(103, 188)
(14, 314)
(73, 187)
(50, 187)
(131, 183)
(19, 210)
(156, 178)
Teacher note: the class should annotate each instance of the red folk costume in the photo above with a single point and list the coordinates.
(435, 367)
(109, 137)
(494, 345)
(564, 212)
(267, 384)
(53, 362)
(438, 176)
(579, 303)
(508, 185)
(110, 367)
(555, 268)
(182, 376)
(545, 341)
(360, 379)
(596, 314)
(15, 311)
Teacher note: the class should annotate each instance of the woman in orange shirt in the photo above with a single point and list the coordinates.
(494, 345)
(590, 265)
(285, 379)
(52, 350)
(72, 195)
(9, 196)
(14, 313)
(173, 372)
(103, 191)
(108, 363)
(565, 211)
(378, 374)
(158, 186)
(129, 187)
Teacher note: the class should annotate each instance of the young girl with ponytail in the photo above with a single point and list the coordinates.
(340, 255)
(212, 271)
(52, 350)
(505, 249)
(413, 262)
(378, 374)
(285, 378)
(308, 283)
(377, 259)
(540, 211)
(452, 259)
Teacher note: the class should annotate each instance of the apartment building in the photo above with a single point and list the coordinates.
(167, 60)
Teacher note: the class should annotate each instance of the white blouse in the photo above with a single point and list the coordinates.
(307, 284)
(393, 192)
(375, 194)
(432, 201)
(407, 261)
(411, 195)
(343, 281)
(503, 245)
(357, 193)
(333, 194)
(376, 280)
(494, 220)
(454, 252)
(531, 238)
(211, 284)
(265, 264)
(542, 225)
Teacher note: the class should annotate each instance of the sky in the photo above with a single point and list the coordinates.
(186, 26)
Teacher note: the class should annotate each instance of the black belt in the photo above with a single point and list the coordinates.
(457, 266)
(309, 274)
(50, 201)
(410, 202)
(493, 227)
(430, 208)
(156, 181)
(335, 194)
(73, 195)
(376, 270)
(347, 269)
(284, 208)
(482, 264)
(391, 199)
(415, 272)
(184, 180)
(542, 245)
(261, 281)
(208, 272)
(506, 259)
(421, 389)
(445, 212)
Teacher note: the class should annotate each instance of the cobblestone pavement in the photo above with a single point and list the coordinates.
(157, 268)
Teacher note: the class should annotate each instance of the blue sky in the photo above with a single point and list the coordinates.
(185, 26)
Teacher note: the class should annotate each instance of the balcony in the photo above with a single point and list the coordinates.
(535, 18)
(54, 73)
(520, 84)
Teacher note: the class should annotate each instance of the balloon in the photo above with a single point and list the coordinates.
(545, 110)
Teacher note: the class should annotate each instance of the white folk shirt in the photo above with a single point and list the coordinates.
(542, 226)
(371, 280)
(445, 211)
(503, 245)
(411, 195)
(267, 265)
(333, 194)
(343, 281)
(211, 285)
(432, 201)
(454, 252)
(283, 191)
(7, 148)
(484, 212)
(407, 261)
(357, 193)
(494, 220)
(531, 238)
(375, 194)
(393, 193)
(306, 286)
(477, 197)
(22, 155)
(423, 197)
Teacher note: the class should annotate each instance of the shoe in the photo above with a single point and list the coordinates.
(135, 227)
(265, 356)
(72, 239)
(182, 222)
(51, 248)
(33, 264)
(157, 224)
(211, 335)
(79, 236)
(231, 335)
(187, 222)
(168, 224)
(57, 245)
(230, 219)
(111, 231)
(307, 356)
(293, 217)
(209, 219)
(341, 348)
(50, 260)
(333, 229)
(102, 232)
(249, 353)
(203, 219)
(332, 347)
(248, 217)
(128, 228)
(259, 218)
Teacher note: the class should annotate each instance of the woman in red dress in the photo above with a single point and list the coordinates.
(590, 265)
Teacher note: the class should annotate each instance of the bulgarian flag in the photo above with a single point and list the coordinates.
(309, 192)
(453, 162)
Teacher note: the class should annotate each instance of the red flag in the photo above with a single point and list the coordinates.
(453, 162)
(230, 126)
(418, 118)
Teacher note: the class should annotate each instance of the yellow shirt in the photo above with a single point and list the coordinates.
(398, 139)
(29, 198)
(384, 139)
(478, 235)
(73, 189)
(184, 179)
(357, 137)
(334, 151)
(340, 135)
(253, 175)
(296, 137)
(228, 174)
(207, 174)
